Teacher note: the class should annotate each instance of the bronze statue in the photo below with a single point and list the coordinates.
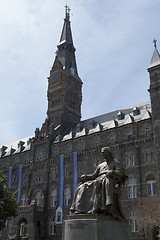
(98, 193)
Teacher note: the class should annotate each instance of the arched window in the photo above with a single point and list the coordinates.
(133, 222)
(67, 196)
(23, 228)
(53, 197)
(151, 188)
(39, 198)
(23, 201)
(52, 226)
(151, 185)
(132, 190)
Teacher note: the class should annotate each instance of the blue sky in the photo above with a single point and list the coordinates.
(114, 47)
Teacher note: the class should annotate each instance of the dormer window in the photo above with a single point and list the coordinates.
(93, 124)
(136, 111)
(120, 115)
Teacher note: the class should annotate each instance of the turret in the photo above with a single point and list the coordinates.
(154, 90)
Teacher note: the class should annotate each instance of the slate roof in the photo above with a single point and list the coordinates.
(66, 49)
(107, 121)
(155, 59)
(15, 147)
(93, 125)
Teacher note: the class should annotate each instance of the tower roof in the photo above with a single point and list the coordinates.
(66, 35)
(155, 57)
(66, 49)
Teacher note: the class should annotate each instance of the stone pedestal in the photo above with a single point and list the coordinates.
(95, 227)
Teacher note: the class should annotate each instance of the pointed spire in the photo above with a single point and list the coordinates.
(155, 57)
(66, 49)
(66, 35)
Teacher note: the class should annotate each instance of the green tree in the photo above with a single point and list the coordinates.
(8, 203)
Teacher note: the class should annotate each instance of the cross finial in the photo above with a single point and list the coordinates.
(67, 11)
(155, 42)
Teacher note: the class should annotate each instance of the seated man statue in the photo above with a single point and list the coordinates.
(99, 192)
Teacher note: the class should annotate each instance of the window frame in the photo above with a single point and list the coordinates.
(133, 222)
(132, 188)
(152, 189)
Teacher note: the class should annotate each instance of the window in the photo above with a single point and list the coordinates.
(132, 190)
(52, 227)
(39, 198)
(151, 188)
(146, 157)
(69, 150)
(23, 228)
(149, 156)
(59, 216)
(97, 143)
(113, 139)
(129, 137)
(53, 197)
(152, 156)
(147, 131)
(127, 161)
(41, 155)
(67, 196)
(82, 147)
(133, 222)
(23, 200)
(130, 159)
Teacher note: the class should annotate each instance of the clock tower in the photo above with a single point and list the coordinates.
(64, 84)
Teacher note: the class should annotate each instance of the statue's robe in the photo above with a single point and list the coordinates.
(96, 193)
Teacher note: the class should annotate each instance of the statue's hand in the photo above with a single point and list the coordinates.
(83, 178)
(110, 173)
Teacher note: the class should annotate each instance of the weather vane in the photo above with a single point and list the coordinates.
(155, 42)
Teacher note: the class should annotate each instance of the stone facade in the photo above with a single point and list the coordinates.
(46, 167)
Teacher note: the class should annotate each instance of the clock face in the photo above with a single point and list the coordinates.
(54, 77)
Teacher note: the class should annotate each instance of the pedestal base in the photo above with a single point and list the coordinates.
(95, 227)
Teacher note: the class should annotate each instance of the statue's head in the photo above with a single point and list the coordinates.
(106, 153)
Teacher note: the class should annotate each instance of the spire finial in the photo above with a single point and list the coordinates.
(67, 11)
(155, 42)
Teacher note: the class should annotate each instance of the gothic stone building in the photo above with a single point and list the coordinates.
(46, 167)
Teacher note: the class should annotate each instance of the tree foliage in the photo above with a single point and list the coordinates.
(8, 203)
